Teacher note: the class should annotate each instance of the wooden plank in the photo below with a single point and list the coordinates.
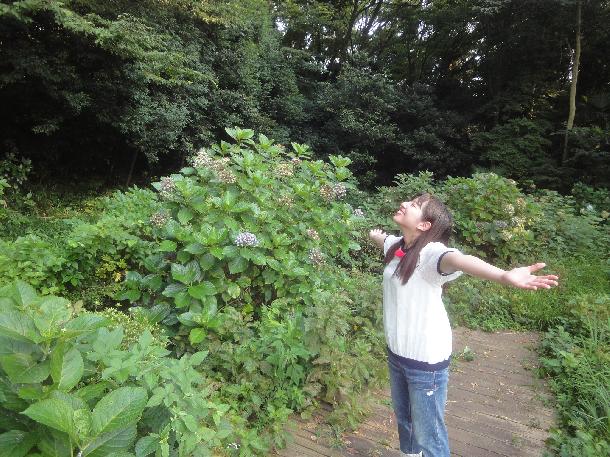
(458, 447)
(501, 441)
(506, 407)
(505, 434)
(308, 440)
(503, 391)
(523, 417)
(493, 409)
(502, 424)
(485, 371)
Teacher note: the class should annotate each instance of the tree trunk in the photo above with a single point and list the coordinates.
(133, 163)
(575, 67)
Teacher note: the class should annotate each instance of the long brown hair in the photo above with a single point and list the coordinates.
(435, 212)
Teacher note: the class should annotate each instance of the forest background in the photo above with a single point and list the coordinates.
(501, 107)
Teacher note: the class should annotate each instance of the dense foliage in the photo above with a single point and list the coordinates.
(236, 266)
(246, 276)
(245, 268)
(396, 86)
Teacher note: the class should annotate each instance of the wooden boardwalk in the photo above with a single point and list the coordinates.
(495, 408)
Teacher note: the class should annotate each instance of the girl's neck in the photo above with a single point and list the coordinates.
(409, 238)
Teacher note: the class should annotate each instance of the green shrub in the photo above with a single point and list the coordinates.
(492, 216)
(70, 385)
(576, 357)
(491, 306)
(564, 230)
(246, 225)
(251, 239)
(81, 254)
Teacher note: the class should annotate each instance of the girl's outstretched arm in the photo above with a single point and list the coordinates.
(521, 277)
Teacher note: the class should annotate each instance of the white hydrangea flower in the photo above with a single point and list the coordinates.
(246, 239)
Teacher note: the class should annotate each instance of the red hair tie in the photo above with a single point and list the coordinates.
(399, 252)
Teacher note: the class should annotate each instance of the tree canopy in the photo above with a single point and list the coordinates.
(449, 86)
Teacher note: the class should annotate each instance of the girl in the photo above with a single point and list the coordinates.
(416, 326)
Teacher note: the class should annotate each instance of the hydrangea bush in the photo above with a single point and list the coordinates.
(251, 237)
(246, 224)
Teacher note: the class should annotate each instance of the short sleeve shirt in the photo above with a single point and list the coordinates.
(416, 324)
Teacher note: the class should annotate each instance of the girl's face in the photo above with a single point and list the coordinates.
(409, 216)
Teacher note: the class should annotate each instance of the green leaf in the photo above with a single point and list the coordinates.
(195, 248)
(54, 413)
(190, 422)
(93, 391)
(182, 300)
(238, 265)
(16, 443)
(106, 445)
(198, 357)
(131, 295)
(66, 367)
(85, 323)
(202, 290)
(233, 290)
(54, 313)
(19, 326)
(6, 304)
(155, 314)
(186, 274)
(152, 281)
(24, 369)
(11, 346)
(54, 444)
(82, 422)
(120, 408)
(147, 445)
(189, 319)
(206, 262)
(185, 215)
(230, 251)
(73, 400)
(197, 335)
(22, 293)
(173, 289)
(168, 246)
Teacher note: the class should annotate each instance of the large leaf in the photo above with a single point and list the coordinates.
(16, 443)
(118, 409)
(54, 444)
(155, 314)
(9, 398)
(186, 274)
(55, 413)
(237, 265)
(147, 445)
(18, 326)
(75, 401)
(22, 293)
(66, 367)
(10, 345)
(12, 420)
(84, 323)
(24, 369)
(105, 445)
(185, 215)
(202, 290)
(93, 391)
(53, 313)
(7, 304)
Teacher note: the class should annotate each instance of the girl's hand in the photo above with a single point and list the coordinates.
(524, 279)
(377, 236)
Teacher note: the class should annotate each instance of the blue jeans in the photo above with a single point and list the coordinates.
(419, 399)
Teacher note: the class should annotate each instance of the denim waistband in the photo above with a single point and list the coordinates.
(418, 364)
